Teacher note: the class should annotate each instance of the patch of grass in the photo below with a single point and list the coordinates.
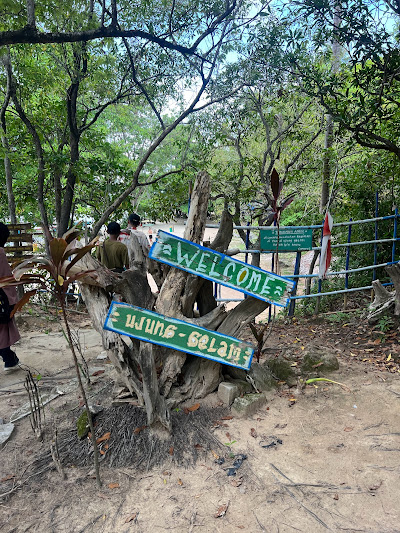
(338, 317)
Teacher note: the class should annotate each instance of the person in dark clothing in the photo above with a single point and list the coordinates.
(112, 253)
(9, 333)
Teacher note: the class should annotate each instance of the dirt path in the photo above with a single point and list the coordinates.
(336, 468)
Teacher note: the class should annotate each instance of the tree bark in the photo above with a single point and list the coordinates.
(326, 172)
(183, 376)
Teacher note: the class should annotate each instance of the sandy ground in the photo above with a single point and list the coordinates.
(337, 467)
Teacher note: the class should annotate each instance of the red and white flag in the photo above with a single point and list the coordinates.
(326, 253)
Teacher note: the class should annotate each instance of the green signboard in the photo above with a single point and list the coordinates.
(221, 268)
(290, 239)
(179, 335)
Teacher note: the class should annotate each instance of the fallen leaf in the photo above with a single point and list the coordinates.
(198, 446)
(318, 364)
(106, 436)
(131, 518)
(240, 527)
(221, 510)
(171, 450)
(102, 452)
(253, 433)
(237, 482)
(106, 447)
(228, 435)
(228, 417)
(7, 478)
(191, 409)
(389, 357)
(336, 497)
(180, 482)
(377, 341)
(348, 429)
(136, 431)
(98, 372)
(113, 485)
(216, 456)
(166, 473)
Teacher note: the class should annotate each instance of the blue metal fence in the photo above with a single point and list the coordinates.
(296, 276)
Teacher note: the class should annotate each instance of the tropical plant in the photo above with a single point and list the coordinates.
(55, 272)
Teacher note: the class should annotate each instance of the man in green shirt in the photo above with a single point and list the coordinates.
(112, 253)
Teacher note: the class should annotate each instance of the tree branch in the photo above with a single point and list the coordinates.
(30, 12)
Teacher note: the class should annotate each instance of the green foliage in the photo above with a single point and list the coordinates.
(337, 317)
(385, 324)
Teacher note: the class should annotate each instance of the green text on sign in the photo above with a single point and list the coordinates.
(220, 268)
(290, 239)
(179, 335)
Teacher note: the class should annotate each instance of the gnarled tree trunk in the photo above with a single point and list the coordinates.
(183, 376)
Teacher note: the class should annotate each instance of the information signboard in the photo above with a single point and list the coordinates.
(179, 335)
(290, 239)
(221, 268)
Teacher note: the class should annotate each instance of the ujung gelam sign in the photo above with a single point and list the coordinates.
(179, 335)
(221, 268)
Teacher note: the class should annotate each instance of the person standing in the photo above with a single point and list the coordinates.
(112, 253)
(133, 223)
(9, 333)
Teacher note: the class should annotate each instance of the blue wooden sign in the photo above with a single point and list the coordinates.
(179, 335)
(212, 265)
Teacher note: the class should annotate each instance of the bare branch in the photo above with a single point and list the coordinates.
(160, 177)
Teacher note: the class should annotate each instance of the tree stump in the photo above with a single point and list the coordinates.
(181, 376)
(385, 303)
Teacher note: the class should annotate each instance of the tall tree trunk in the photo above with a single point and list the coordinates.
(329, 137)
(35, 137)
(326, 173)
(4, 141)
(74, 138)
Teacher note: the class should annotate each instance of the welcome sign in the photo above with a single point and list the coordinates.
(179, 335)
(215, 266)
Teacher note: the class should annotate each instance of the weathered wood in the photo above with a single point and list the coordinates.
(170, 300)
(182, 376)
(97, 303)
(201, 290)
(133, 287)
(384, 302)
(381, 295)
(13, 249)
(19, 227)
(158, 415)
(394, 273)
(239, 317)
(20, 237)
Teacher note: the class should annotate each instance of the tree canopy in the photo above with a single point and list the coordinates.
(110, 105)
